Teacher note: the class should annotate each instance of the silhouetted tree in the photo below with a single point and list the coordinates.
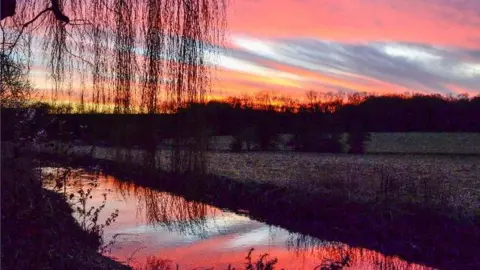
(15, 87)
(237, 144)
(97, 41)
(82, 37)
(312, 130)
(356, 141)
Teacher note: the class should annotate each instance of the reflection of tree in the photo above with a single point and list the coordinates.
(62, 179)
(335, 255)
(170, 211)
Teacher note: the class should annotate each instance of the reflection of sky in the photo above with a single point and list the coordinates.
(217, 238)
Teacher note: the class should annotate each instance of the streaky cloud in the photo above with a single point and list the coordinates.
(413, 67)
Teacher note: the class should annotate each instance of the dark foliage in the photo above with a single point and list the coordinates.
(356, 142)
(419, 113)
(236, 145)
(38, 229)
(314, 128)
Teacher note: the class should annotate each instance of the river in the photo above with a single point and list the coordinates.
(155, 225)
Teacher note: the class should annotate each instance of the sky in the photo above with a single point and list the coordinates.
(289, 47)
(379, 46)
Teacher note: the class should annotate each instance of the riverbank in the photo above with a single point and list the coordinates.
(445, 184)
(411, 232)
(38, 229)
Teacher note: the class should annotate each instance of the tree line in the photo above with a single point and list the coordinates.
(315, 125)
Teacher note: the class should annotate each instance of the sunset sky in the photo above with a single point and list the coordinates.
(382, 46)
(379, 46)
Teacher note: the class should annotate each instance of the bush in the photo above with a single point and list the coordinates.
(356, 142)
(317, 142)
(236, 145)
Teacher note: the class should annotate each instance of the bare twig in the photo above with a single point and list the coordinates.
(129, 259)
(25, 25)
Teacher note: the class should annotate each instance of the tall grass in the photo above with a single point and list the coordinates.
(263, 262)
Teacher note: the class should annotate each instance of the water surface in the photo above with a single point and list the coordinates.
(190, 234)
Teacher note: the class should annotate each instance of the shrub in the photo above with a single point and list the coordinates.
(236, 145)
(356, 141)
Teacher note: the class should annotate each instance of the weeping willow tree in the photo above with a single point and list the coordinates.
(129, 55)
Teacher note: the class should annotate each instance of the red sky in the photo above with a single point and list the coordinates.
(352, 45)
(431, 22)
(379, 46)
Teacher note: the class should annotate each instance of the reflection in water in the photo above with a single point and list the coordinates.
(335, 253)
(192, 234)
(170, 211)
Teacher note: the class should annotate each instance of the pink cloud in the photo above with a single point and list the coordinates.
(359, 20)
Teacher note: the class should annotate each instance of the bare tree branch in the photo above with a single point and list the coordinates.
(58, 12)
(25, 25)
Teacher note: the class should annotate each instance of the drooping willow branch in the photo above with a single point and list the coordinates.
(25, 25)
(132, 55)
(129, 55)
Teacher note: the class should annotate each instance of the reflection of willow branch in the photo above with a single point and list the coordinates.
(170, 211)
(61, 179)
(303, 244)
(334, 254)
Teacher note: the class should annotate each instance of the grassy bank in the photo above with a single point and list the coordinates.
(419, 234)
(38, 229)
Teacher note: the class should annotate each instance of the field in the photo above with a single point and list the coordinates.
(452, 183)
(394, 143)
(426, 143)
(438, 170)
